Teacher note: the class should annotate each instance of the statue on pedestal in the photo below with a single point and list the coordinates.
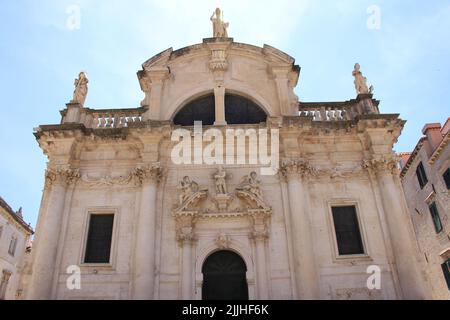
(221, 184)
(219, 26)
(81, 89)
(360, 81)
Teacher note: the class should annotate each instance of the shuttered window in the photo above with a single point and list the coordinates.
(446, 270)
(421, 175)
(348, 234)
(436, 218)
(446, 177)
(98, 246)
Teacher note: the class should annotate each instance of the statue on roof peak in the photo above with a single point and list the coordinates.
(219, 26)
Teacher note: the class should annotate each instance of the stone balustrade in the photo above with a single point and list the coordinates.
(115, 119)
(103, 119)
(340, 111)
(327, 113)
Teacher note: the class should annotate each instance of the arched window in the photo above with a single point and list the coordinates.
(238, 110)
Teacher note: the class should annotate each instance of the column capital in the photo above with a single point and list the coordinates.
(296, 168)
(149, 173)
(185, 228)
(382, 163)
(64, 177)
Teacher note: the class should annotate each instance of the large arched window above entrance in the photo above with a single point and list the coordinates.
(238, 110)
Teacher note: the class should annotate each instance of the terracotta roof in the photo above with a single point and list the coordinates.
(413, 156)
(15, 216)
(445, 141)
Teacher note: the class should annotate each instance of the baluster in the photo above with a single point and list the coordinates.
(101, 122)
(323, 114)
(116, 123)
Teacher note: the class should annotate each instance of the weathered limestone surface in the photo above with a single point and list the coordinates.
(119, 162)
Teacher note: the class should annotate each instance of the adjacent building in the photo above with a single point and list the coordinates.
(15, 236)
(426, 182)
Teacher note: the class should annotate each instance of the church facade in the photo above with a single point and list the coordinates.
(138, 224)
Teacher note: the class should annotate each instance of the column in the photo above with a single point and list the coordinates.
(219, 95)
(187, 285)
(411, 279)
(186, 240)
(304, 263)
(152, 82)
(259, 235)
(145, 251)
(47, 245)
(218, 65)
(281, 77)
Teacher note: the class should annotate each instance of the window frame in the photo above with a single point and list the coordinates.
(333, 235)
(13, 243)
(112, 256)
(447, 171)
(423, 175)
(1, 231)
(434, 205)
(446, 272)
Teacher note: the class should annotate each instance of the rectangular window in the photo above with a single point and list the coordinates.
(421, 175)
(348, 234)
(98, 245)
(1, 231)
(446, 270)
(436, 218)
(12, 246)
(446, 177)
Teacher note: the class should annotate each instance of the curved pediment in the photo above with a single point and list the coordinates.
(172, 79)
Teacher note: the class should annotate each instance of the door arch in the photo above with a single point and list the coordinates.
(224, 277)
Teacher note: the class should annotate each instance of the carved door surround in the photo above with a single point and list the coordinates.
(199, 204)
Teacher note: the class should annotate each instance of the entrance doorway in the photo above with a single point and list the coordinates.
(224, 277)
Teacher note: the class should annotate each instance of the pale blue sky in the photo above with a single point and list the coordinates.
(407, 61)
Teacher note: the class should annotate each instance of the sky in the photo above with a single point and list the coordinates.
(402, 45)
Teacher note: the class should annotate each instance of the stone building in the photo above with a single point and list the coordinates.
(426, 181)
(140, 224)
(14, 239)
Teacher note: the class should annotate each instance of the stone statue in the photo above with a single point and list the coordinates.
(360, 81)
(221, 184)
(251, 184)
(81, 89)
(219, 27)
(187, 188)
